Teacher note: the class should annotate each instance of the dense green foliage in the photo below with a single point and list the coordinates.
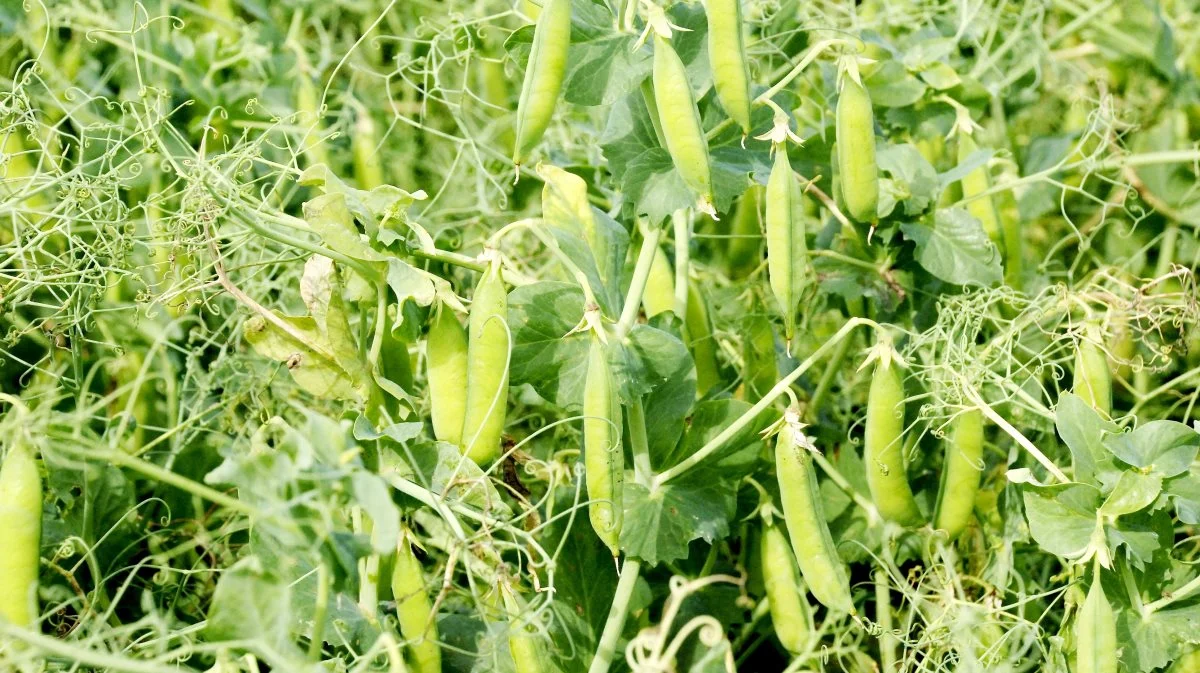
(627, 335)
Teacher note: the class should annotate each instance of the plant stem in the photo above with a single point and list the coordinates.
(883, 617)
(446, 257)
(617, 613)
(320, 610)
(1179, 594)
(643, 470)
(637, 285)
(682, 225)
(734, 428)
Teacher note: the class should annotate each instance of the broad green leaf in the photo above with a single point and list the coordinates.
(940, 76)
(330, 217)
(1133, 492)
(1184, 492)
(955, 249)
(372, 494)
(660, 524)
(1083, 431)
(312, 370)
(1062, 519)
(662, 370)
(891, 85)
(1153, 641)
(251, 604)
(709, 418)
(540, 316)
(1166, 448)
(914, 179)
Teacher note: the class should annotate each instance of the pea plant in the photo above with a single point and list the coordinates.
(547, 336)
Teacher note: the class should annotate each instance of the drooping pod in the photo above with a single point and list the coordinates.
(744, 251)
(523, 642)
(727, 56)
(887, 476)
(680, 120)
(961, 472)
(604, 460)
(858, 172)
(822, 568)
(20, 533)
(785, 596)
(544, 76)
(659, 295)
(487, 368)
(1093, 378)
(446, 353)
(787, 250)
(414, 611)
(698, 334)
(977, 182)
(1096, 632)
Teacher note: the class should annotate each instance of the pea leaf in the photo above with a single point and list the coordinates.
(1083, 430)
(1132, 492)
(251, 604)
(665, 374)
(955, 249)
(659, 524)
(710, 418)
(1153, 641)
(1184, 492)
(1062, 519)
(540, 315)
(914, 180)
(891, 85)
(1166, 448)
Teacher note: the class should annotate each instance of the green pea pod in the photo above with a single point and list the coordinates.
(414, 612)
(1093, 379)
(744, 250)
(699, 337)
(727, 56)
(20, 534)
(858, 173)
(364, 147)
(887, 478)
(544, 74)
(787, 250)
(446, 354)
(487, 368)
(308, 107)
(789, 614)
(812, 542)
(603, 457)
(523, 642)
(961, 473)
(1188, 663)
(977, 182)
(681, 122)
(1096, 632)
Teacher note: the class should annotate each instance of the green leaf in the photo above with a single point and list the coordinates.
(1062, 519)
(1153, 641)
(1166, 448)
(540, 316)
(891, 85)
(661, 369)
(660, 524)
(330, 217)
(1083, 430)
(373, 494)
(709, 418)
(956, 249)
(1133, 492)
(313, 371)
(914, 180)
(1184, 492)
(251, 604)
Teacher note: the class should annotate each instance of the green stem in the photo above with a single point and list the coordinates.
(643, 470)
(637, 285)
(883, 617)
(617, 613)
(682, 226)
(827, 378)
(319, 612)
(446, 257)
(1179, 594)
(745, 419)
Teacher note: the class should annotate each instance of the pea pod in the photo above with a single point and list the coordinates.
(659, 295)
(812, 542)
(698, 334)
(789, 614)
(1093, 379)
(961, 473)
(680, 121)
(977, 182)
(858, 173)
(20, 534)
(523, 642)
(727, 55)
(603, 458)
(487, 368)
(887, 478)
(787, 250)
(414, 612)
(744, 250)
(1096, 632)
(544, 75)
(446, 353)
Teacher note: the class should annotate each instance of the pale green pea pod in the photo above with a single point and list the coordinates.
(487, 368)
(414, 611)
(680, 121)
(727, 56)
(961, 473)
(446, 353)
(822, 568)
(977, 182)
(698, 334)
(858, 173)
(20, 534)
(523, 642)
(887, 477)
(785, 597)
(1096, 632)
(659, 295)
(1093, 378)
(544, 75)
(604, 460)
(787, 249)
(744, 251)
